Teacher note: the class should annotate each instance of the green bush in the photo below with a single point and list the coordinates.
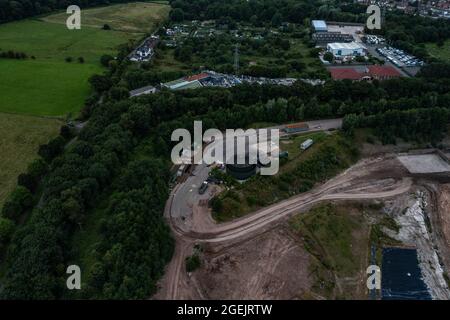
(192, 263)
(18, 201)
(6, 230)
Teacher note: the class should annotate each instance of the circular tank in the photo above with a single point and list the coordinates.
(241, 171)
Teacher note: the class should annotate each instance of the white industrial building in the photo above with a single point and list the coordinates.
(342, 50)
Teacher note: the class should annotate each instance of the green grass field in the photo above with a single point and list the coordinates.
(129, 17)
(44, 87)
(49, 86)
(20, 137)
(442, 53)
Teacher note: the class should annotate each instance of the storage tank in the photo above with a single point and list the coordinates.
(241, 171)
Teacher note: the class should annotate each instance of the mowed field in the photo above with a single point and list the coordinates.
(53, 86)
(44, 87)
(129, 17)
(48, 85)
(20, 137)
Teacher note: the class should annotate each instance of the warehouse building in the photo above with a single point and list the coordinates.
(342, 50)
(182, 84)
(323, 38)
(319, 26)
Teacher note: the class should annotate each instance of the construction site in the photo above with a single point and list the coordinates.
(286, 251)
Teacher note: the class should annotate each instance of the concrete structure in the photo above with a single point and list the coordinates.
(307, 144)
(319, 26)
(342, 50)
(424, 163)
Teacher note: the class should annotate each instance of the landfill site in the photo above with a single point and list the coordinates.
(261, 256)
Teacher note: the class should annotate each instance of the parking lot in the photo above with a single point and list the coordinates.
(356, 31)
(399, 57)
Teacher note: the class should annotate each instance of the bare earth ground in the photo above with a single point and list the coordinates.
(253, 257)
(442, 223)
(270, 266)
(411, 211)
(444, 211)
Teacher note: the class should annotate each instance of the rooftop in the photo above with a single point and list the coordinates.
(297, 125)
(384, 71)
(319, 24)
(344, 45)
(354, 73)
(345, 73)
(141, 90)
(199, 76)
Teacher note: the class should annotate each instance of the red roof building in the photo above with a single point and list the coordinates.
(383, 72)
(345, 73)
(370, 73)
(197, 77)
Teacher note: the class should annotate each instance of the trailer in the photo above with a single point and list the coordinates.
(307, 144)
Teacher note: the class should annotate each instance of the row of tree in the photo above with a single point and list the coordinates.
(423, 125)
(11, 54)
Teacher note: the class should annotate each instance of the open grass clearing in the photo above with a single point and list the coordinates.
(20, 137)
(140, 17)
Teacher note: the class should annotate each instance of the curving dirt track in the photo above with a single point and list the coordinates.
(369, 179)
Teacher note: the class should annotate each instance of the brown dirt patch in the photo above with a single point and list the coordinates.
(270, 266)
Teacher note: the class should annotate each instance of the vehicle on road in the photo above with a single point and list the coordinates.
(203, 187)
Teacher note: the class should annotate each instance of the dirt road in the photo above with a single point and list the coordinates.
(368, 179)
